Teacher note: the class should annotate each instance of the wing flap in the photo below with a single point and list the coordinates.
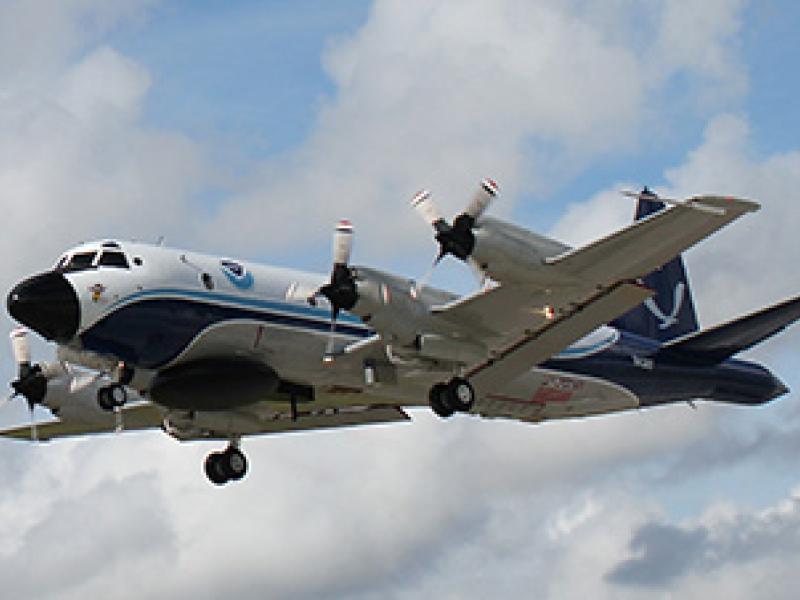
(135, 418)
(538, 345)
(256, 420)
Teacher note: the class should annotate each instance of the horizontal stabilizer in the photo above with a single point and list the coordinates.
(714, 345)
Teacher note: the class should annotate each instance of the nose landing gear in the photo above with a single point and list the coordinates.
(455, 396)
(230, 465)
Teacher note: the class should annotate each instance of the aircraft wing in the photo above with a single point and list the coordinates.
(536, 345)
(646, 245)
(148, 416)
(524, 325)
(328, 418)
(135, 418)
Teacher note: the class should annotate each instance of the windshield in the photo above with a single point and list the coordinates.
(81, 261)
(113, 259)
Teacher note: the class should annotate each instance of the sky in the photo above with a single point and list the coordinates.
(249, 128)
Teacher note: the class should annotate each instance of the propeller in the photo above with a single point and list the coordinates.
(458, 238)
(341, 290)
(31, 383)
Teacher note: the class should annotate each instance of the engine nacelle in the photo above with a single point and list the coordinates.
(508, 253)
(388, 303)
(72, 396)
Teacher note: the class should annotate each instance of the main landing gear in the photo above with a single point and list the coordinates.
(449, 398)
(230, 465)
(112, 396)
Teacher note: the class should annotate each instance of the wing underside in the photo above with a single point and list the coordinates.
(256, 420)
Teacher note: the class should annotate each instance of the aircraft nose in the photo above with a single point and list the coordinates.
(779, 388)
(48, 304)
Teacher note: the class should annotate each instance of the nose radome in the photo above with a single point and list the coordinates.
(48, 304)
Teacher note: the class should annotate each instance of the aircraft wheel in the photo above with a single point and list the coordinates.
(438, 400)
(234, 463)
(111, 396)
(460, 395)
(215, 470)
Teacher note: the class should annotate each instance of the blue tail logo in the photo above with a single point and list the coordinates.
(655, 318)
(667, 321)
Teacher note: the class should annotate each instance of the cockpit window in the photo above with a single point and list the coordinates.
(80, 262)
(113, 259)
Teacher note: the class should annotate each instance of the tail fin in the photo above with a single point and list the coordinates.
(669, 314)
(719, 343)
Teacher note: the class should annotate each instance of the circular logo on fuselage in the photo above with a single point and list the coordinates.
(237, 274)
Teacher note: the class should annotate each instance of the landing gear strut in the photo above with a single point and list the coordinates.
(455, 396)
(222, 467)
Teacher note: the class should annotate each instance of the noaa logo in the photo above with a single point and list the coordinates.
(237, 274)
(668, 320)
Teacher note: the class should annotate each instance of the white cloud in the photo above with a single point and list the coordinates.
(439, 96)
(742, 267)
(74, 162)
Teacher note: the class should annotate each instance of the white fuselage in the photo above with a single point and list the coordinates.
(169, 306)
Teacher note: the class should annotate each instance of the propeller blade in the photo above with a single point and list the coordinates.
(7, 399)
(423, 281)
(482, 198)
(477, 271)
(328, 356)
(342, 242)
(341, 290)
(34, 428)
(21, 346)
(422, 203)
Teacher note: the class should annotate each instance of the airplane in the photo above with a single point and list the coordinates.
(212, 348)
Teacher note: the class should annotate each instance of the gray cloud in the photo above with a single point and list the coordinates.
(82, 538)
(663, 553)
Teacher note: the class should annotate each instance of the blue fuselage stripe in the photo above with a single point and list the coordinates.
(152, 329)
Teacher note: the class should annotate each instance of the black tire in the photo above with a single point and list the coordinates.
(215, 470)
(460, 396)
(438, 401)
(104, 399)
(234, 464)
(118, 395)
(111, 396)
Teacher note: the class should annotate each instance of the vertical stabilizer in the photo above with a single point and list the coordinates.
(669, 314)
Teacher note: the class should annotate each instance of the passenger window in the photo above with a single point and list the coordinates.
(114, 259)
(80, 262)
